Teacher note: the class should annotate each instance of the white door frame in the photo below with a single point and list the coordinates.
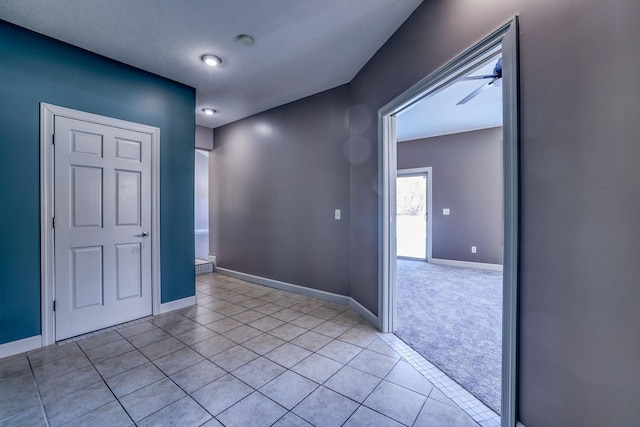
(429, 174)
(47, 198)
(507, 36)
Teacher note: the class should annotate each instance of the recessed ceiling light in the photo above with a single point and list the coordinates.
(211, 60)
(209, 111)
(244, 40)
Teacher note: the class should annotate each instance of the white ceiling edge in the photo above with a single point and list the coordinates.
(465, 130)
(438, 114)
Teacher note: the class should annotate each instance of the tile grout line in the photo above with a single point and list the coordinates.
(346, 364)
(440, 381)
(231, 290)
(166, 376)
(362, 349)
(104, 381)
(319, 385)
(35, 383)
(337, 338)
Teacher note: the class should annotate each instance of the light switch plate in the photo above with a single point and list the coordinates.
(446, 211)
(338, 214)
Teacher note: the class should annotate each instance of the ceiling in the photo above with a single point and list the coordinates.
(438, 114)
(301, 47)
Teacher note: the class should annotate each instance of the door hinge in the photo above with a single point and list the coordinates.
(53, 222)
(53, 138)
(54, 305)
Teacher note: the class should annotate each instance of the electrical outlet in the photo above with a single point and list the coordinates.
(338, 215)
(474, 249)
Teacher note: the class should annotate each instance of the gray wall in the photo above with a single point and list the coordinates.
(204, 138)
(214, 203)
(278, 177)
(467, 179)
(579, 310)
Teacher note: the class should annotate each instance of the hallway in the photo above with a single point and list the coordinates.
(245, 355)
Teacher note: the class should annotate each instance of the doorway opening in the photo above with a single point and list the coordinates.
(201, 205)
(502, 45)
(413, 213)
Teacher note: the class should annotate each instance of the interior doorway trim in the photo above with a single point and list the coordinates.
(507, 36)
(47, 273)
(429, 176)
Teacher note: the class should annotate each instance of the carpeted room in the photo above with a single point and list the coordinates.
(451, 314)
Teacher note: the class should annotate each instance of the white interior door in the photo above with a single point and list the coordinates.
(102, 226)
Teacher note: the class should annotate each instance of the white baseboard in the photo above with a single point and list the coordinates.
(297, 289)
(20, 346)
(467, 264)
(202, 231)
(364, 312)
(519, 424)
(177, 304)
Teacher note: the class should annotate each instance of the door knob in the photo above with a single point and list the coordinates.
(144, 234)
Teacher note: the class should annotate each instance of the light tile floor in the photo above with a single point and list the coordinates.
(245, 355)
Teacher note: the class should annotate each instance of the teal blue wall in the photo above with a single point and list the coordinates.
(36, 69)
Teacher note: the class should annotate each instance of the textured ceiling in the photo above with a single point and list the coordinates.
(438, 114)
(301, 47)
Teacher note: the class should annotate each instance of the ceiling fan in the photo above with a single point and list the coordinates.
(495, 80)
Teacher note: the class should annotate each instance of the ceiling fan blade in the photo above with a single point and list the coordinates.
(473, 94)
(477, 92)
(488, 76)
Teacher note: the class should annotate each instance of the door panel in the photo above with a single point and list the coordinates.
(86, 143)
(127, 198)
(86, 197)
(128, 150)
(103, 211)
(86, 279)
(129, 273)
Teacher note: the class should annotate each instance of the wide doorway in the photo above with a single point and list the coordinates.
(488, 69)
(449, 309)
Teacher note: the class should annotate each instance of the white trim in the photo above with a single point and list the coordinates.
(428, 171)
(47, 273)
(519, 424)
(284, 286)
(428, 86)
(212, 258)
(20, 346)
(505, 37)
(467, 264)
(302, 290)
(364, 312)
(176, 304)
(511, 130)
(387, 307)
(201, 231)
(47, 114)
